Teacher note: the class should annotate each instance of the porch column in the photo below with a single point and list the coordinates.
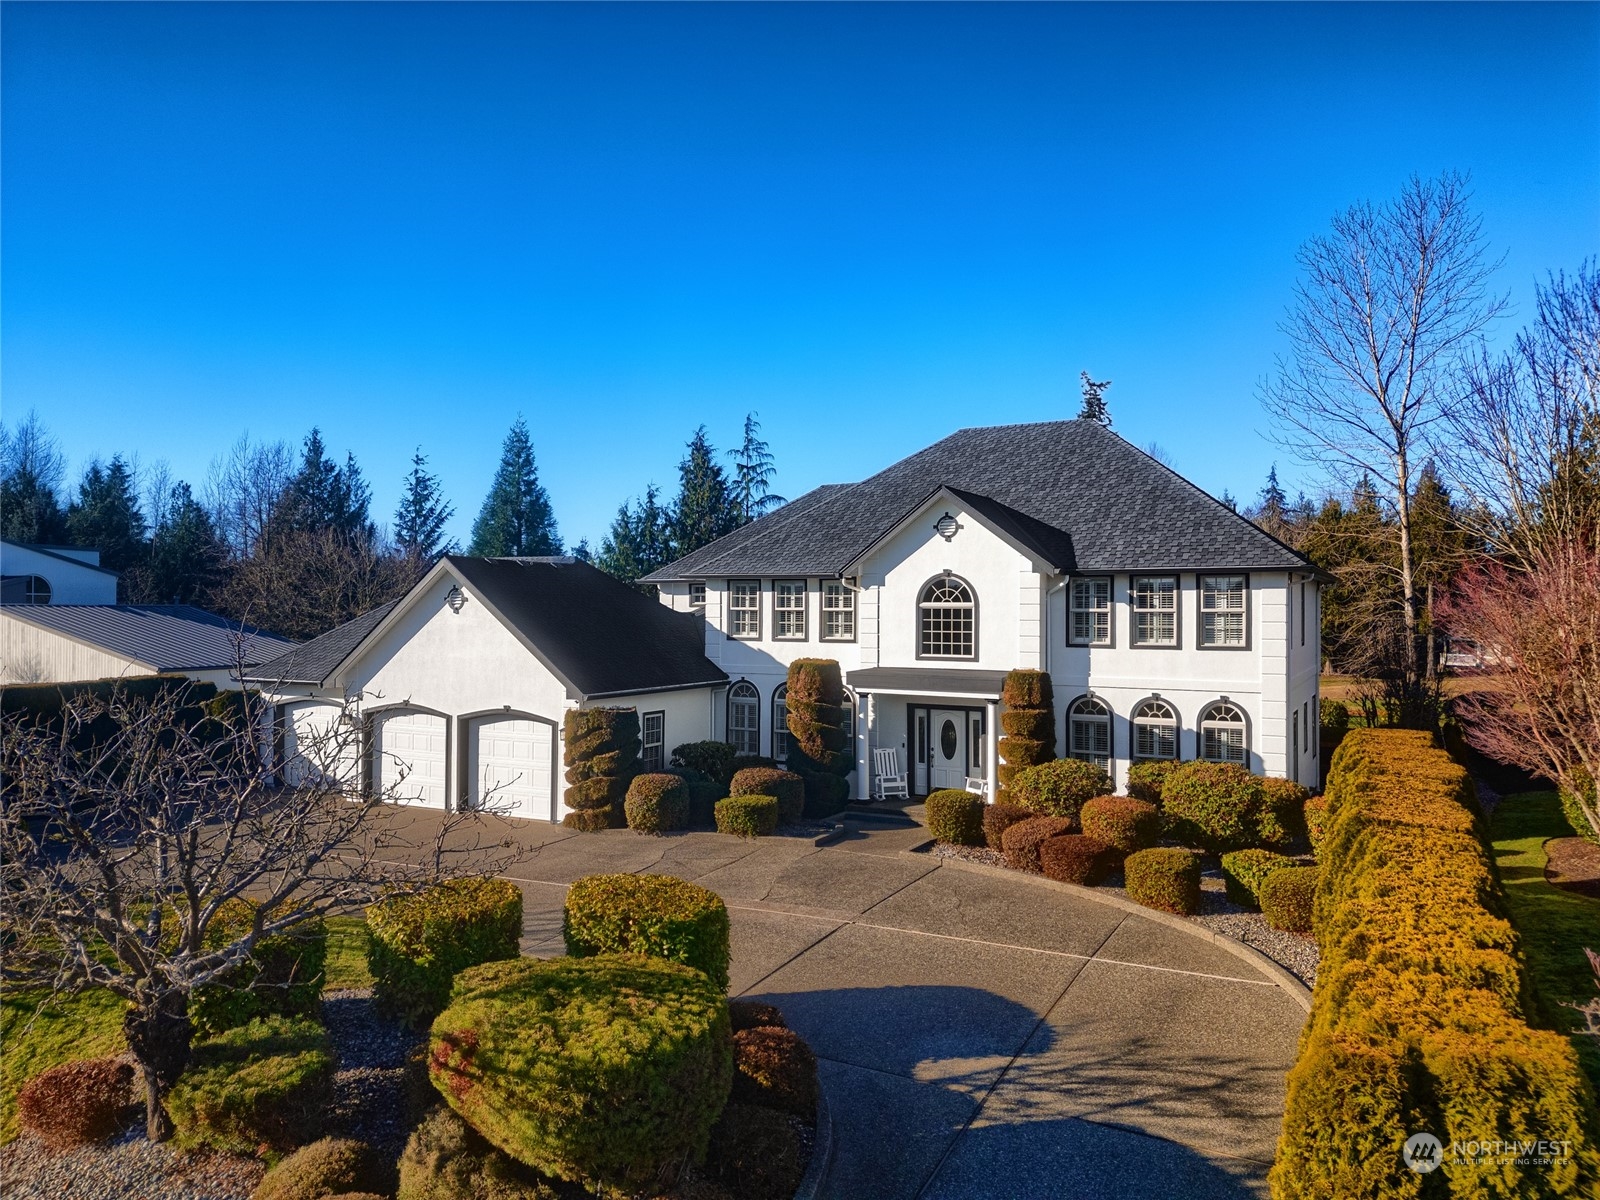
(991, 754)
(862, 736)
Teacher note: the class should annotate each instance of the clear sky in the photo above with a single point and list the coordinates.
(872, 224)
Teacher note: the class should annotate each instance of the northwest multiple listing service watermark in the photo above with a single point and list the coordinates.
(1423, 1152)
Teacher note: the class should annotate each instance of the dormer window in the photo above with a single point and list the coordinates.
(947, 624)
(697, 595)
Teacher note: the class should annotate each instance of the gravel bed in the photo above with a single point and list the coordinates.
(974, 854)
(370, 1099)
(127, 1168)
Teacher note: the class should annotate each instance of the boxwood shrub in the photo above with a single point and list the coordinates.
(656, 803)
(787, 787)
(446, 1159)
(1165, 879)
(1243, 872)
(417, 943)
(775, 1067)
(328, 1167)
(999, 817)
(282, 977)
(1059, 788)
(1021, 841)
(265, 1083)
(1281, 820)
(657, 915)
(76, 1103)
(1286, 898)
(747, 816)
(1147, 778)
(600, 749)
(714, 760)
(606, 1071)
(1221, 807)
(1075, 858)
(1121, 822)
(955, 817)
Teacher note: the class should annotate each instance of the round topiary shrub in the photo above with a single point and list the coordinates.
(787, 787)
(417, 943)
(756, 1153)
(1059, 788)
(1147, 778)
(266, 1083)
(329, 1167)
(999, 817)
(714, 760)
(1314, 814)
(1121, 822)
(1281, 818)
(1075, 858)
(1027, 724)
(1213, 805)
(77, 1102)
(445, 1159)
(600, 749)
(610, 1069)
(775, 1067)
(657, 915)
(1286, 896)
(754, 1014)
(1021, 841)
(747, 816)
(1168, 880)
(282, 977)
(1244, 871)
(955, 817)
(656, 803)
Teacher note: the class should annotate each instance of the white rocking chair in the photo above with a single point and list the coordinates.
(887, 777)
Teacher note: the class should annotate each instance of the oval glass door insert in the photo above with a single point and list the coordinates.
(947, 739)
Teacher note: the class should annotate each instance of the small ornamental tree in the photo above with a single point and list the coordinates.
(602, 756)
(819, 746)
(1028, 722)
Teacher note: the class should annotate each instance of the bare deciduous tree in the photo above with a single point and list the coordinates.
(243, 491)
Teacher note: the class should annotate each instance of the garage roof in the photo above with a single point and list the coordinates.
(164, 637)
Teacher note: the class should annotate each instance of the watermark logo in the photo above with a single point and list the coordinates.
(1423, 1152)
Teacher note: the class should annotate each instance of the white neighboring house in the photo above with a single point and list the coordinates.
(1171, 626)
(454, 695)
(54, 575)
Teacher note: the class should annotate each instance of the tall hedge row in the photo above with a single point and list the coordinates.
(601, 754)
(1418, 1018)
(1028, 724)
(820, 749)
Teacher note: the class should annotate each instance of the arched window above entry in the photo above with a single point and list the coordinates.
(1223, 736)
(947, 621)
(744, 718)
(1155, 730)
(1089, 731)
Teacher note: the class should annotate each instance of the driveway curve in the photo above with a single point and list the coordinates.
(978, 1036)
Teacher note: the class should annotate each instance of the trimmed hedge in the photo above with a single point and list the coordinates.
(1165, 879)
(416, 944)
(446, 1159)
(283, 976)
(657, 915)
(608, 1070)
(600, 749)
(1147, 778)
(756, 1154)
(785, 786)
(1028, 724)
(753, 1014)
(1315, 816)
(1121, 822)
(656, 803)
(820, 749)
(1059, 788)
(266, 1083)
(76, 1103)
(1244, 871)
(1418, 1017)
(1221, 807)
(1286, 898)
(747, 816)
(955, 817)
(774, 1066)
(999, 817)
(1075, 858)
(1021, 841)
(714, 760)
(325, 1168)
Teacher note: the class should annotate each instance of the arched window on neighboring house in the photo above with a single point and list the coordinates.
(25, 589)
(1155, 730)
(744, 718)
(1089, 731)
(780, 724)
(1223, 736)
(947, 623)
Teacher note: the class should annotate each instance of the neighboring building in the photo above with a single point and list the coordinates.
(54, 575)
(456, 692)
(67, 643)
(1171, 626)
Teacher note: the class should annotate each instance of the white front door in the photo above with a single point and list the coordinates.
(947, 749)
(408, 757)
(508, 766)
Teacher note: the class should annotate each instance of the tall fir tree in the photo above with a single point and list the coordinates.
(705, 508)
(753, 468)
(186, 557)
(1272, 506)
(323, 495)
(1094, 400)
(106, 515)
(31, 469)
(640, 539)
(423, 512)
(516, 519)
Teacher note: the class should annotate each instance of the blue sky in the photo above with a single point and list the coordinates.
(870, 224)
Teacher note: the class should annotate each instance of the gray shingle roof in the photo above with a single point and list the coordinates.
(168, 637)
(315, 660)
(1087, 500)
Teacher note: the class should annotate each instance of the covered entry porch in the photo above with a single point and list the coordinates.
(942, 722)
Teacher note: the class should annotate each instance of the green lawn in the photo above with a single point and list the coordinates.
(1555, 924)
(347, 954)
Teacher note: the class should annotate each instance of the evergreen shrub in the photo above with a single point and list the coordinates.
(787, 787)
(1075, 858)
(601, 755)
(820, 749)
(656, 803)
(1121, 822)
(1021, 841)
(1027, 724)
(747, 816)
(265, 1083)
(1164, 879)
(1147, 778)
(955, 817)
(1058, 788)
(658, 915)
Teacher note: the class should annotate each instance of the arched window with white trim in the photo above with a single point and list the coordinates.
(744, 718)
(1223, 734)
(947, 620)
(1155, 730)
(1089, 731)
(780, 724)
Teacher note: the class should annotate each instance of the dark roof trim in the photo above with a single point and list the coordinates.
(66, 558)
(930, 681)
(665, 687)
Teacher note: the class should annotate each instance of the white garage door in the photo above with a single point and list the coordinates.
(408, 754)
(315, 745)
(508, 766)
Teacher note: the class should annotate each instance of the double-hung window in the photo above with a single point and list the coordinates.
(1222, 610)
(789, 609)
(1155, 610)
(653, 741)
(838, 612)
(1090, 623)
(697, 595)
(744, 718)
(1089, 731)
(744, 608)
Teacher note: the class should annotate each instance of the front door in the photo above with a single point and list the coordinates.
(947, 749)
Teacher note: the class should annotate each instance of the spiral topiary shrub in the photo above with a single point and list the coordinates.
(265, 1083)
(1286, 895)
(1121, 822)
(326, 1168)
(1021, 841)
(756, 1154)
(999, 817)
(446, 1159)
(775, 1067)
(417, 943)
(1075, 858)
(600, 750)
(820, 749)
(657, 915)
(1221, 807)
(1027, 724)
(747, 816)
(753, 1014)
(77, 1103)
(656, 803)
(1059, 788)
(785, 786)
(955, 817)
(1244, 871)
(1146, 779)
(1164, 879)
(608, 1070)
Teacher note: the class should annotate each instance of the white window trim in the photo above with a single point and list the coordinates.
(734, 610)
(701, 602)
(1074, 609)
(660, 743)
(1209, 724)
(1100, 720)
(778, 609)
(1243, 610)
(926, 606)
(1136, 612)
(1171, 724)
(846, 609)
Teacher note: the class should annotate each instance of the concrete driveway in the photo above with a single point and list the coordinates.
(979, 1036)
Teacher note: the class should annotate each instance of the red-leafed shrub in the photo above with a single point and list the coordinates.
(776, 1068)
(999, 817)
(756, 1153)
(753, 1014)
(1165, 879)
(77, 1102)
(1121, 822)
(1075, 858)
(1021, 842)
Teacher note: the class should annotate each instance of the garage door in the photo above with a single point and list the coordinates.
(315, 745)
(508, 766)
(408, 757)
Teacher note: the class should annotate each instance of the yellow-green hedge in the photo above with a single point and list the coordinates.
(1418, 1019)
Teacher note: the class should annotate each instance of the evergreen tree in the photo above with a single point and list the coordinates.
(184, 564)
(420, 519)
(322, 495)
(705, 508)
(1272, 506)
(516, 519)
(1094, 400)
(581, 551)
(754, 467)
(31, 468)
(640, 539)
(106, 516)
(1227, 499)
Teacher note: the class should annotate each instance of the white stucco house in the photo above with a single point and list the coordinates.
(1171, 628)
(32, 574)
